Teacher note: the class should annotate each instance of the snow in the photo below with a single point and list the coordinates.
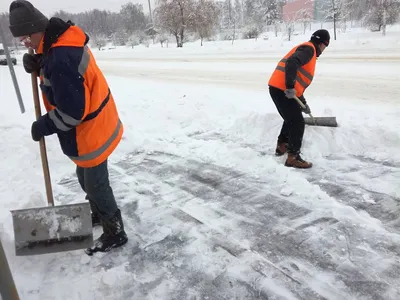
(209, 211)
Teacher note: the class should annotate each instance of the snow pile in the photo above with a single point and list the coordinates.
(210, 212)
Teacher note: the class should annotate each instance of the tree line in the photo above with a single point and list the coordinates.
(184, 20)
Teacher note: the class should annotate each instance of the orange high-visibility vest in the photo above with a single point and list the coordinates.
(305, 74)
(95, 136)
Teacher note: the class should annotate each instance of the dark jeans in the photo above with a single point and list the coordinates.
(95, 183)
(293, 125)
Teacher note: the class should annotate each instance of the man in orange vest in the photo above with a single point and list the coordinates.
(293, 74)
(80, 109)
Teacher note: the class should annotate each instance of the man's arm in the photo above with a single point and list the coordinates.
(300, 57)
(69, 95)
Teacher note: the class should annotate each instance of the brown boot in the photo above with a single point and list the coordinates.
(281, 148)
(295, 161)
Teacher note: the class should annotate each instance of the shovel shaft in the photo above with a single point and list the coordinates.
(7, 285)
(42, 143)
(302, 105)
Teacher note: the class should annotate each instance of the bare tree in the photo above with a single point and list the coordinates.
(99, 40)
(335, 10)
(132, 17)
(175, 16)
(205, 19)
(382, 13)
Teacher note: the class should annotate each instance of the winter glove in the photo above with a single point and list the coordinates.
(290, 93)
(32, 63)
(35, 132)
(306, 110)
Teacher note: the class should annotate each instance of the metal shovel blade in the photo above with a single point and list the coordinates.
(321, 121)
(52, 229)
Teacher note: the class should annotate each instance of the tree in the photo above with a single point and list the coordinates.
(99, 40)
(205, 19)
(132, 17)
(334, 14)
(382, 13)
(260, 13)
(119, 38)
(331, 10)
(254, 21)
(175, 16)
(239, 16)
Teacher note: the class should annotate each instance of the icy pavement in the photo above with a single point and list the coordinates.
(211, 232)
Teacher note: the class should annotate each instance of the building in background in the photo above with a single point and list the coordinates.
(299, 10)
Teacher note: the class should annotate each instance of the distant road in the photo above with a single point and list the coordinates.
(367, 76)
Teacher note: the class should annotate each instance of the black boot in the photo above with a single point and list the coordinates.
(95, 214)
(95, 219)
(114, 235)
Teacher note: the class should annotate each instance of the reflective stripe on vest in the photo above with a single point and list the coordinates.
(84, 63)
(63, 121)
(298, 78)
(102, 149)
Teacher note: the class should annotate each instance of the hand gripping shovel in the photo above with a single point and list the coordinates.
(53, 228)
(319, 121)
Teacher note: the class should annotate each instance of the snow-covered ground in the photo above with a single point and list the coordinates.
(210, 212)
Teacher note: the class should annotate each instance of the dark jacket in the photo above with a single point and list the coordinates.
(299, 58)
(80, 107)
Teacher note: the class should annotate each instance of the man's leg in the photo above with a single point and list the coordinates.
(80, 173)
(291, 112)
(99, 191)
(283, 138)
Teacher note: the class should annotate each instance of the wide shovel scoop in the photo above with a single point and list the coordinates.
(53, 228)
(319, 121)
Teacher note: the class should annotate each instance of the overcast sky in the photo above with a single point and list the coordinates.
(50, 6)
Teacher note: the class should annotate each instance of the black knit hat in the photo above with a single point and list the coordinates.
(25, 19)
(321, 36)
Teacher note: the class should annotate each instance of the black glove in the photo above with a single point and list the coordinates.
(306, 110)
(32, 63)
(35, 132)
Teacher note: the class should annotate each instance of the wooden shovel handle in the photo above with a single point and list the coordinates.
(303, 106)
(42, 143)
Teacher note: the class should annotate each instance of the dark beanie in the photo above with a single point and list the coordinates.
(321, 36)
(25, 19)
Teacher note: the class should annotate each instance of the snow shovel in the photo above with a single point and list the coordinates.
(319, 121)
(53, 228)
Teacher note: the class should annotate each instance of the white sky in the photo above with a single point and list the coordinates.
(48, 7)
